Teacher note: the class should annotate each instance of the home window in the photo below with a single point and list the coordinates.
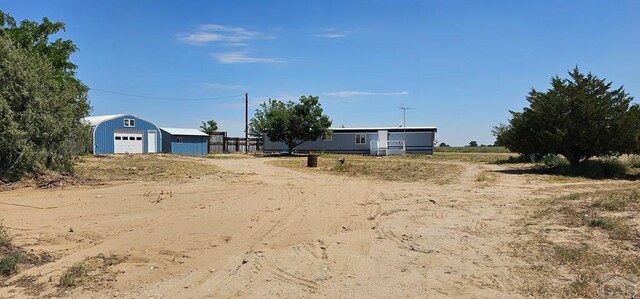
(138, 138)
(129, 123)
(361, 138)
(118, 138)
(125, 137)
(328, 136)
(178, 139)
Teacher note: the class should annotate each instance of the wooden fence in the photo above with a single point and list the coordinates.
(220, 143)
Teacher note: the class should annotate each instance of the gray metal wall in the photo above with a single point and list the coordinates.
(416, 142)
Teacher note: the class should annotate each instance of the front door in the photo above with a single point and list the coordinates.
(151, 141)
(382, 139)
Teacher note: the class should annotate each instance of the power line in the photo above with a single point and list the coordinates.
(163, 98)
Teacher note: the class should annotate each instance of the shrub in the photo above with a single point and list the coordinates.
(594, 169)
(634, 162)
(73, 276)
(9, 263)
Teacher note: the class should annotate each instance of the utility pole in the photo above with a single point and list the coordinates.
(404, 123)
(246, 122)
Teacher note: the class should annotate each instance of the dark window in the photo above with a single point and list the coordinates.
(138, 138)
(178, 139)
(118, 138)
(125, 137)
(361, 138)
(129, 122)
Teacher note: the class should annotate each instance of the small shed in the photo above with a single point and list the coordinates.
(180, 141)
(122, 134)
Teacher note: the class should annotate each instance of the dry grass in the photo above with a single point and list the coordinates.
(141, 168)
(91, 272)
(397, 168)
(473, 157)
(486, 178)
(585, 246)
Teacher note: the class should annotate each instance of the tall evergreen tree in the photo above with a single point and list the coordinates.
(579, 117)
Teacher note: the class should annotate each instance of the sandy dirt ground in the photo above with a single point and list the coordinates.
(265, 231)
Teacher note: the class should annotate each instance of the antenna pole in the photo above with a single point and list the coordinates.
(246, 122)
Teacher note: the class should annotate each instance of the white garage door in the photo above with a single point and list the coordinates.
(127, 143)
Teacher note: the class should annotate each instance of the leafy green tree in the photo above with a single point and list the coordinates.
(579, 117)
(473, 143)
(209, 127)
(41, 102)
(443, 144)
(291, 123)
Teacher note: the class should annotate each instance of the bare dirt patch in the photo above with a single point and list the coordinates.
(256, 230)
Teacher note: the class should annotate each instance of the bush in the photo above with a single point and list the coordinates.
(41, 102)
(594, 169)
(73, 276)
(634, 162)
(9, 264)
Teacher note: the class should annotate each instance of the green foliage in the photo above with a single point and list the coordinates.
(209, 127)
(443, 144)
(473, 143)
(73, 276)
(634, 162)
(291, 123)
(9, 263)
(594, 169)
(579, 118)
(41, 102)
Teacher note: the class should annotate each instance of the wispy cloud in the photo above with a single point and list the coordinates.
(347, 94)
(241, 57)
(222, 86)
(332, 33)
(227, 35)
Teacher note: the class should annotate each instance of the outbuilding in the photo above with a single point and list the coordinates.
(123, 133)
(182, 141)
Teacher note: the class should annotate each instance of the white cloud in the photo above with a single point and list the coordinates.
(241, 57)
(347, 94)
(222, 86)
(332, 33)
(228, 35)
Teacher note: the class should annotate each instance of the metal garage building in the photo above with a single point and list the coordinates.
(184, 141)
(123, 133)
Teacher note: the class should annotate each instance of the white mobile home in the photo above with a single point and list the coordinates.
(374, 141)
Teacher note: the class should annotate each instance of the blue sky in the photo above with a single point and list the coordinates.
(461, 64)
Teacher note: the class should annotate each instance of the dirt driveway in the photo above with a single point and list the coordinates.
(265, 231)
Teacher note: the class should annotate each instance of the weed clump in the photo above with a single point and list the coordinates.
(9, 263)
(73, 276)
